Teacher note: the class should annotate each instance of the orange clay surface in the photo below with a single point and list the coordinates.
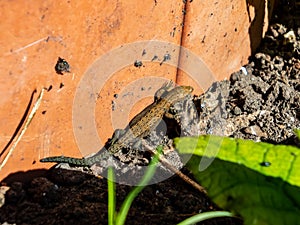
(101, 40)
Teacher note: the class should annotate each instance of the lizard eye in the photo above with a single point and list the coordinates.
(190, 89)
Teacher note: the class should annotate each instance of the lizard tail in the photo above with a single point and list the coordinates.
(69, 160)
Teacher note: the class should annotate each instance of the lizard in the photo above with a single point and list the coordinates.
(139, 127)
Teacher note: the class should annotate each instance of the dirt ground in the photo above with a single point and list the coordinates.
(260, 102)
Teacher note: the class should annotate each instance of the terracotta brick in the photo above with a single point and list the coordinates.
(101, 40)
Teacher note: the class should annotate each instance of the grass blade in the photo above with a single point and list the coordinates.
(131, 196)
(111, 195)
(204, 216)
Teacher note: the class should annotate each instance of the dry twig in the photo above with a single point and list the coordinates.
(18, 137)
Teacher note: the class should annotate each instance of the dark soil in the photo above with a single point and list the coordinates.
(260, 102)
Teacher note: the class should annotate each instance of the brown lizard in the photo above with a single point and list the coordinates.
(139, 127)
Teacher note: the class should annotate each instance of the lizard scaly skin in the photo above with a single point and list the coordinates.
(139, 127)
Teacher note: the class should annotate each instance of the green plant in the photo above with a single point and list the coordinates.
(118, 218)
(256, 180)
(204, 216)
(111, 195)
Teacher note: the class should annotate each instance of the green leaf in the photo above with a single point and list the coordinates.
(111, 195)
(271, 160)
(258, 181)
(204, 216)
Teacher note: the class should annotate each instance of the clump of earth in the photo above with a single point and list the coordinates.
(260, 102)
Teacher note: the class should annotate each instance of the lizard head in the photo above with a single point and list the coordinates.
(187, 89)
(178, 93)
